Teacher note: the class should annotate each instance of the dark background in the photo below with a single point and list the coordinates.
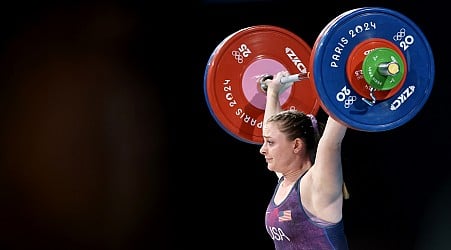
(107, 141)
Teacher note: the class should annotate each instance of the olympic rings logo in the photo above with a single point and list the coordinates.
(238, 57)
(344, 96)
(349, 101)
(400, 35)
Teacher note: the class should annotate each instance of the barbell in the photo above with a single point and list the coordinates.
(370, 68)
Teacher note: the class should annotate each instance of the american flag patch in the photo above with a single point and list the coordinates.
(285, 215)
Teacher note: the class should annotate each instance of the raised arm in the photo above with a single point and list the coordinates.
(272, 105)
(326, 174)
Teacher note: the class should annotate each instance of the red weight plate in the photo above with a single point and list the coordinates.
(354, 68)
(232, 90)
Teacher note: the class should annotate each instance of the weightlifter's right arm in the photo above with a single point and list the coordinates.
(272, 105)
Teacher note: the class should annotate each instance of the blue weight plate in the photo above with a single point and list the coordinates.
(331, 52)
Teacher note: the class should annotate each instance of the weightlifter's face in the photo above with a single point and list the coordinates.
(276, 148)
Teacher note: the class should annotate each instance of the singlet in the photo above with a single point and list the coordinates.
(291, 228)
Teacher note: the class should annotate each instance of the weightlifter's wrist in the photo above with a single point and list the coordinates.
(272, 93)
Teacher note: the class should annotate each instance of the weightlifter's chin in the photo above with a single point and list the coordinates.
(270, 167)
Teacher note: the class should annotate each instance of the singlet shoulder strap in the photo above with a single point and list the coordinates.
(299, 179)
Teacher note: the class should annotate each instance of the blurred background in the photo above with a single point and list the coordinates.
(107, 141)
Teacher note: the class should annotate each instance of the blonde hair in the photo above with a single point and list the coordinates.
(346, 194)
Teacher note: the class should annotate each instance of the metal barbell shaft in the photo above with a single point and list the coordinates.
(388, 69)
(286, 81)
